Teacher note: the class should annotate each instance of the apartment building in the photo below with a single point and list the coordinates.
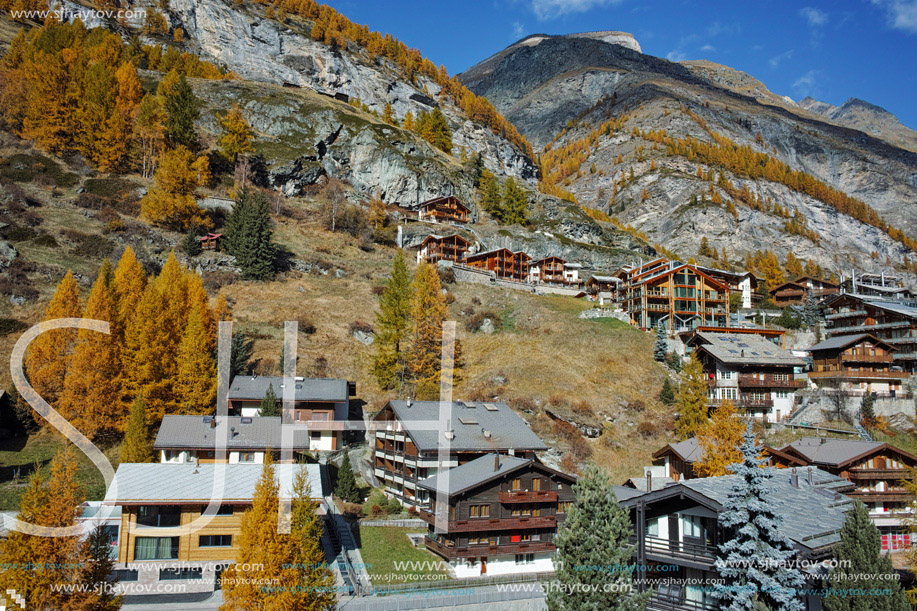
(858, 364)
(893, 321)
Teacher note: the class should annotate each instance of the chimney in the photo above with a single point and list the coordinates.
(496, 462)
(811, 477)
(794, 478)
(649, 481)
(487, 434)
(213, 423)
(407, 402)
(233, 432)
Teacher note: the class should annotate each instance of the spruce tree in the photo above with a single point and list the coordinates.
(136, 445)
(96, 574)
(867, 411)
(754, 556)
(270, 405)
(241, 350)
(691, 400)
(346, 487)
(660, 347)
(667, 394)
(181, 111)
(392, 323)
(860, 554)
(594, 551)
(191, 243)
(249, 236)
(810, 310)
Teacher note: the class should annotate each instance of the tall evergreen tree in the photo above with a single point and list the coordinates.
(240, 353)
(47, 357)
(249, 236)
(196, 379)
(691, 400)
(96, 574)
(863, 565)
(393, 320)
(317, 583)
(181, 108)
(660, 347)
(515, 207)
(346, 487)
(667, 394)
(867, 410)
(270, 405)
(428, 311)
(753, 557)
(594, 551)
(136, 445)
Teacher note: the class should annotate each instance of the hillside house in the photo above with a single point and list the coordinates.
(878, 472)
(497, 515)
(677, 526)
(775, 336)
(678, 459)
(893, 321)
(549, 270)
(883, 285)
(324, 403)
(408, 438)
(211, 241)
(504, 263)
(858, 363)
(156, 500)
(193, 439)
(796, 291)
(678, 295)
(749, 370)
(744, 283)
(437, 248)
(446, 209)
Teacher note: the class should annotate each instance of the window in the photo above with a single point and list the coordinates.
(215, 541)
(564, 506)
(526, 538)
(125, 575)
(517, 484)
(246, 457)
(153, 515)
(691, 526)
(156, 548)
(525, 558)
(479, 511)
(315, 435)
(225, 510)
(185, 573)
(477, 539)
(536, 484)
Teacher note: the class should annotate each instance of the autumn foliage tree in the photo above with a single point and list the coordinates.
(691, 400)
(136, 446)
(720, 441)
(428, 311)
(171, 201)
(237, 135)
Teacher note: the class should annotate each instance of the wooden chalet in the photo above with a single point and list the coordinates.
(446, 209)
(891, 320)
(496, 515)
(504, 263)
(678, 459)
(436, 248)
(858, 363)
(878, 472)
(549, 270)
(796, 291)
(194, 439)
(211, 241)
(407, 449)
(776, 336)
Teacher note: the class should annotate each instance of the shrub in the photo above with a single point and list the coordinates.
(359, 325)
(90, 245)
(446, 275)
(306, 326)
(9, 326)
(45, 239)
(582, 407)
(114, 226)
(522, 404)
(473, 324)
(637, 406)
(214, 281)
(375, 511)
(648, 428)
(16, 280)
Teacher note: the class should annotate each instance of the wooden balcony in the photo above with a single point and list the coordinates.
(476, 551)
(492, 524)
(525, 496)
(867, 358)
(879, 474)
(657, 547)
(875, 496)
(748, 381)
(858, 375)
(659, 602)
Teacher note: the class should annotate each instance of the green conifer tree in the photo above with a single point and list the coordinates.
(270, 405)
(667, 394)
(181, 109)
(691, 400)
(241, 350)
(136, 446)
(660, 347)
(346, 487)
(249, 236)
(96, 570)
(393, 320)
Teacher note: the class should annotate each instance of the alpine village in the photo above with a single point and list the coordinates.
(298, 321)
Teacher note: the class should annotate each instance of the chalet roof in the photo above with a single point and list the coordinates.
(622, 493)
(713, 271)
(667, 271)
(745, 349)
(443, 199)
(820, 523)
(469, 422)
(688, 450)
(891, 305)
(189, 483)
(474, 473)
(573, 265)
(250, 433)
(842, 341)
(550, 257)
(639, 483)
(307, 389)
(440, 238)
(838, 452)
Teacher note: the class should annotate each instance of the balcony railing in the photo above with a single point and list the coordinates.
(886, 474)
(474, 551)
(860, 375)
(658, 602)
(525, 496)
(876, 496)
(748, 381)
(492, 524)
(867, 358)
(686, 550)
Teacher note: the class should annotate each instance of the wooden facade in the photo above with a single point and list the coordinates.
(443, 209)
(514, 511)
(436, 248)
(681, 297)
(860, 363)
(208, 544)
(796, 291)
(211, 241)
(891, 321)
(549, 270)
(504, 263)
(679, 459)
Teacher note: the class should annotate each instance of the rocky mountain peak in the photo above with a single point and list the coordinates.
(612, 37)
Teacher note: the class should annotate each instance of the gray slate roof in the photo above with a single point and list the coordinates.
(473, 473)
(188, 483)
(839, 341)
(746, 349)
(469, 421)
(639, 483)
(689, 449)
(307, 389)
(257, 433)
(832, 452)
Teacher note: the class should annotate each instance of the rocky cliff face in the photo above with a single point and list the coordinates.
(562, 87)
(861, 115)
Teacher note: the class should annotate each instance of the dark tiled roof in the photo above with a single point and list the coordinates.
(746, 349)
(469, 421)
(251, 433)
(688, 450)
(832, 452)
(839, 341)
(478, 471)
(307, 389)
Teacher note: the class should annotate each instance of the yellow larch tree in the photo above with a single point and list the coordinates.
(237, 135)
(719, 441)
(428, 311)
(146, 356)
(196, 382)
(46, 358)
(129, 282)
(170, 202)
(691, 400)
